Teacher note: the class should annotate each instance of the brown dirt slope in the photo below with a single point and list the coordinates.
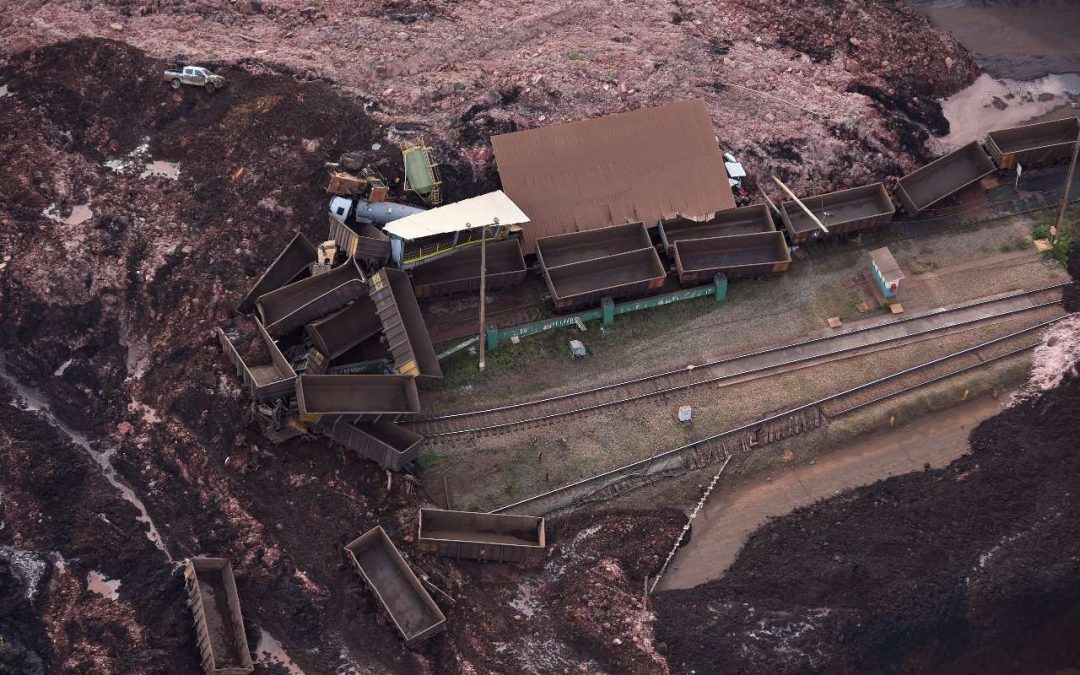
(861, 73)
(972, 568)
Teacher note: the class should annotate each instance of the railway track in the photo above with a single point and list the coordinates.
(740, 368)
(720, 447)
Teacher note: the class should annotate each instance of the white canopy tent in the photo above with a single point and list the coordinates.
(479, 211)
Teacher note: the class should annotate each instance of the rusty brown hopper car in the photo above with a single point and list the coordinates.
(289, 264)
(943, 177)
(292, 306)
(1033, 144)
(338, 333)
(625, 275)
(743, 220)
(367, 242)
(219, 626)
(460, 272)
(390, 445)
(265, 381)
(744, 255)
(841, 212)
(385, 572)
(403, 324)
(575, 247)
(355, 395)
(482, 536)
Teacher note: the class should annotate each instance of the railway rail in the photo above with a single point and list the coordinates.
(742, 367)
(720, 447)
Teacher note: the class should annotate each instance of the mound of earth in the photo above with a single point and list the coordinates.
(971, 568)
(824, 93)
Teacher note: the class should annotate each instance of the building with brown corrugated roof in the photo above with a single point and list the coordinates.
(639, 166)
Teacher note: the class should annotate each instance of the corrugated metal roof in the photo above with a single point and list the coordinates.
(643, 165)
(475, 212)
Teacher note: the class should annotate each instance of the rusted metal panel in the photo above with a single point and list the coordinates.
(369, 243)
(289, 264)
(845, 211)
(266, 382)
(744, 220)
(743, 255)
(388, 444)
(340, 332)
(565, 249)
(383, 569)
(943, 177)
(403, 324)
(460, 272)
(619, 276)
(1033, 145)
(482, 536)
(219, 625)
(356, 395)
(644, 165)
(292, 306)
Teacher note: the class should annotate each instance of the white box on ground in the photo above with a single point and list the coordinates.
(685, 413)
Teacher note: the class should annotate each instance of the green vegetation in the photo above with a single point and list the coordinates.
(1070, 230)
(573, 55)
(1015, 244)
(429, 458)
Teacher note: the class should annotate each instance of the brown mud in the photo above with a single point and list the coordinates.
(969, 568)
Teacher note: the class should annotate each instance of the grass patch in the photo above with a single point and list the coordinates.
(1015, 244)
(429, 458)
(573, 55)
(923, 266)
(1070, 231)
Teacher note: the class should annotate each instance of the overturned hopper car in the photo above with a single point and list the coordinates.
(366, 242)
(460, 272)
(743, 220)
(841, 212)
(219, 625)
(1033, 144)
(482, 536)
(390, 445)
(385, 572)
(338, 333)
(290, 263)
(265, 381)
(745, 255)
(625, 275)
(403, 324)
(292, 306)
(943, 177)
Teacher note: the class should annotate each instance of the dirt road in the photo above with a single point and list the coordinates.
(723, 527)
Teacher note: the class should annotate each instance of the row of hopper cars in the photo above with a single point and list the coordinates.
(621, 261)
(400, 595)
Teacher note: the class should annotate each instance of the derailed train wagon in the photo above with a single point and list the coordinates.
(290, 263)
(353, 396)
(403, 324)
(460, 272)
(219, 625)
(841, 212)
(1033, 144)
(943, 177)
(385, 572)
(267, 380)
(290, 307)
(338, 333)
(482, 536)
(743, 220)
(390, 445)
(744, 255)
(576, 247)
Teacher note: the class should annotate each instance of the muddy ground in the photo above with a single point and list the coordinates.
(969, 568)
(110, 287)
(827, 94)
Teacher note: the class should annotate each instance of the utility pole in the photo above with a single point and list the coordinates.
(483, 291)
(1068, 184)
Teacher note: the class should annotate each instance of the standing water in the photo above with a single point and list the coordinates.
(34, 402)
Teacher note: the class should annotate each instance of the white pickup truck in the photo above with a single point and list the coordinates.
(196, 76)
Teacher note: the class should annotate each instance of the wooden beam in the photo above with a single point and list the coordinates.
(801, 205)
(767, 201)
